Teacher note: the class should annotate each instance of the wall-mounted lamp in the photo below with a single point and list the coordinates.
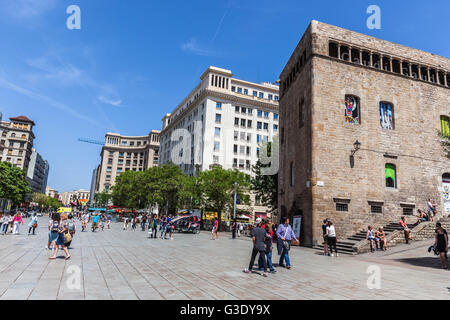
(356, 147)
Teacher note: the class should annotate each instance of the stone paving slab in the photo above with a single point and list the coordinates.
(127, 265)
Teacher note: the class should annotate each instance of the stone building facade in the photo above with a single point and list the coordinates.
(123, 153)
(359, 120)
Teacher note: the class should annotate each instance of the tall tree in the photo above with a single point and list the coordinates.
(102, 199)
(13, 183)
(217, 189)
(265, 181)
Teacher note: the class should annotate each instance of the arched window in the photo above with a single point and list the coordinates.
(352, 110)
(387, 115)
(390, 175)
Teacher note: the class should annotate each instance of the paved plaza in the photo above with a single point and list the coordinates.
(117, 264)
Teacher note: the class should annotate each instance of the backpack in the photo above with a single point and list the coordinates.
(71, 225)
(55, 226)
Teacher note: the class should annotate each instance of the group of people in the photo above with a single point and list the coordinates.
(11, 223)
(61, 230)
(98, 220)
(262, 236)
(329, 238)
(152, 223)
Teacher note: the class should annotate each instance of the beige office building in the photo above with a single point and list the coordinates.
(16, 141)
(124, 153)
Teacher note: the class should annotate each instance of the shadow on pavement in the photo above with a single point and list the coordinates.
(428, 262)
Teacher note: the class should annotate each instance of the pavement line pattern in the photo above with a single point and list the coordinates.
(119, 264)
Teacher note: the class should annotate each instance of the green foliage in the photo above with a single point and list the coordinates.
(45, 202)
(216, 189)
(265, 187)
(13, 183)
(168, 188)
(102, 199)
(165, 186)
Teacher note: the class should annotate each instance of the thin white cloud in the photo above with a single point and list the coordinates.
(26, 9)
(52, 68)
(112, 102)
(192, 46)
(5, 83)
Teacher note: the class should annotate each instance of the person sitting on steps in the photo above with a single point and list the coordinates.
(404, 227)
(372, 239)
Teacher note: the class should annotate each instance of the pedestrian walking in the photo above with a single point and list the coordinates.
(441, 244)
(102, 222)
(63, 238)
(17, 221)
(53, 228)
(5, 225)
(331, 236)
(143, 223)
(32, 225)
(72, 229)
(285, 235)
(84, 221)
(240, 228)
(258, 235)
(162, 226)
(214, 233)
(325, 239)
(154, 227)
(108, 220)
(133, 223)
(233, 229)
(95, 221)
(268, 242)
(125, 223)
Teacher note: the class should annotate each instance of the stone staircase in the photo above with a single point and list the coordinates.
(357, 243)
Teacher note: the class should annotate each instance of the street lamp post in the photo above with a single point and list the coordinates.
(235, 198)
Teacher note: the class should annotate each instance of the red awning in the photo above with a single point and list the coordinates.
(261, 215)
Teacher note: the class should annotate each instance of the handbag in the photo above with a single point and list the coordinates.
(286, 243)
(67, 237)
(34, 225)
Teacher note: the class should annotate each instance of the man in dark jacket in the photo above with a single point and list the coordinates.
(258, 235)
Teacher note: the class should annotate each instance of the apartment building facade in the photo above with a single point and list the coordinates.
(359, 139)
(223, 121)
(123, 153)
(16, 141)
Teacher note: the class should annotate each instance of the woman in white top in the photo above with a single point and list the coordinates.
(331, 237)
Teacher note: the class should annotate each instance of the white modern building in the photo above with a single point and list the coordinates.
(223, 121)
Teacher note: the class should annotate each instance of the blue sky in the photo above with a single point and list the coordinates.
(133, 61)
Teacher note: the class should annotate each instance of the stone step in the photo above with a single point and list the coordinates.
(340, 250)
